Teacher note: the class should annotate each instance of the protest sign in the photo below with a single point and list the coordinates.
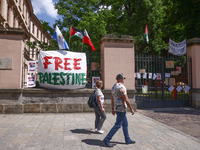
(31, 66)
(62, 69)
(30, 80)
(94, 80)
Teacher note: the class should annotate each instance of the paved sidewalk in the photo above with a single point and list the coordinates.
(185, 119)
(74, 132)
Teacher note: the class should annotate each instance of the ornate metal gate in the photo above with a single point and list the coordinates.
(163, 81)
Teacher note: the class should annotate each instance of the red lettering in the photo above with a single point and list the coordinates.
(75, 64)
(58, 61)
(66, 64)
(46, 62)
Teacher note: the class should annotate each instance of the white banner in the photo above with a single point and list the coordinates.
(31, 66)
(178, 49)
(30, 80)
(62, 69)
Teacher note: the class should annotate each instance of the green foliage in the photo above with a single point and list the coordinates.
(52, 45)
(46, 27)
(175, 19)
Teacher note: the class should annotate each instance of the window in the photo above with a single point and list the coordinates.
(41, 37)
(33, 28)
(37, 33)
(33, 53)
(8, 14)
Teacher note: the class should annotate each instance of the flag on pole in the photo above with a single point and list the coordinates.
(146, 35)
(76, 32)
(60, 39)
(86, 39)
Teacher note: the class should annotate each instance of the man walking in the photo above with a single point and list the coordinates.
(119, 102)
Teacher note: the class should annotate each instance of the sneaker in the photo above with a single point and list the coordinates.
(107, 143)
(130, 142)
(95, 130)
(100, 131)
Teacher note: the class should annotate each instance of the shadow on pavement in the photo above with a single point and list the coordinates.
(114, 143)
(95, 142)
(82, 131)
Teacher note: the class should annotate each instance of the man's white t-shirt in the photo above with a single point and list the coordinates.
(118, 91)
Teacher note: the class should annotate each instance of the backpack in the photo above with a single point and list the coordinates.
(92, 102)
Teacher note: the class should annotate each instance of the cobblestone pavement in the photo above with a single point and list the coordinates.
(186, 120)
(74, 132)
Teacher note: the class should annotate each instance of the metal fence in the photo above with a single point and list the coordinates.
(163, 81)
(93, 62)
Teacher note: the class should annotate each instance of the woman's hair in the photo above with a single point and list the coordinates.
(98, 83)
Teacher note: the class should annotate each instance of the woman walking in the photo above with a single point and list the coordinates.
(100, 109)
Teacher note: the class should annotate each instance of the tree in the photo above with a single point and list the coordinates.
(118, 17)
(165, 19)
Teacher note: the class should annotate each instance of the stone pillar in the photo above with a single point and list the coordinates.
(11, 58)
(4, 6)
(16, 22)
(193, 50)
(11, 17)
(117, 56)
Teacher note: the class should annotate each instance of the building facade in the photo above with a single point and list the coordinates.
(18, 24)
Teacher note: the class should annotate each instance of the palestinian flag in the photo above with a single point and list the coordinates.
(86, 39)
(146, 35)
(76, 32)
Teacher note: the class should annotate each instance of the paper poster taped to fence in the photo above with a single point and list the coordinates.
(142, 70)
(144, 75)
(154, 76)
(187, 88)
(171, 88)
(158, 76)
(174, 73)
(138, 75)
(172, 81)
(30, 80)
(135, 74)
(31, 66)
(167, 75)
(166, 81)
(178, 69)
(179, 88)
(150, 75)
(62, 69)
(169, 64)
(94, 80)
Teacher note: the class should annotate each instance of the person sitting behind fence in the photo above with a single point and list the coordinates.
(100, 113)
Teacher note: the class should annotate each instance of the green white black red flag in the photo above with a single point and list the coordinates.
(146, 35)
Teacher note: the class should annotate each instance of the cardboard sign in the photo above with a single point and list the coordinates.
(172, 81)
(94, 80)
(94, 66)
(174, 73)
(62, 69)
(169, 64)
(142, 70)
(166, 81)
(30, 80)
(31, 66)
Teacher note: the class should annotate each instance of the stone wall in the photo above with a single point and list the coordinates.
(51, 101)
